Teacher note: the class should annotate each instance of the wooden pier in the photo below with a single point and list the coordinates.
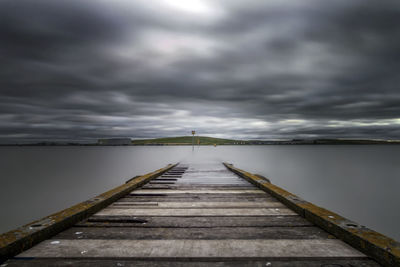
(197, 215)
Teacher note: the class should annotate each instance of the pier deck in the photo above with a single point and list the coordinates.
(194, 215)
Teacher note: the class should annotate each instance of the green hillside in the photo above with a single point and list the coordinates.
(187, 140)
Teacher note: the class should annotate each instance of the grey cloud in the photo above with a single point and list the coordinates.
(67, 67)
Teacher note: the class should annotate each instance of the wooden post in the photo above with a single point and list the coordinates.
(193, 133)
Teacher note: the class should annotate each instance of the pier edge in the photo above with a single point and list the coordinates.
(24, 237)
(379, 247)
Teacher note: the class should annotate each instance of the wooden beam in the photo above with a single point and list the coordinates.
(192, 249)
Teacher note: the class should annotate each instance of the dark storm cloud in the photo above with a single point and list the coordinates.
(79, 70)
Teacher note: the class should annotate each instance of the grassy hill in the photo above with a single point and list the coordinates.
(187, 140)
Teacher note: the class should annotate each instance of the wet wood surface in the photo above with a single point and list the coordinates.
(194, 215)
(194, 222)
(274, 262)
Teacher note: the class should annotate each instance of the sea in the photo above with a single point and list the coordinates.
(359, 182)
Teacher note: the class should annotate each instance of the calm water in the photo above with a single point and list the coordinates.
(358, 182)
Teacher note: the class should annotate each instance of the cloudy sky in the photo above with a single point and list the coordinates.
(273, 69)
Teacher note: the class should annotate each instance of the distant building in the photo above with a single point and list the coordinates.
(114, 141)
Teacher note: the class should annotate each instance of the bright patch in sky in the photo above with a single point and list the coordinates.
(190, 6)
(173, 46)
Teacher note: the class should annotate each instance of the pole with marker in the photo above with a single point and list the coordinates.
(193, 133)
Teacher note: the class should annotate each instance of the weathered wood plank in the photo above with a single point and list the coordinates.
(157, 186)
(211, 177)
(348, 262)
(131, 221)
(212, 181)
(219, 233)
(195, 249)
(197, 197)
(194, 191)
(192, 205)
(226, 180)
(183, 186)
(192, 195)
(195, 212)
(162, 182)
(184, 182)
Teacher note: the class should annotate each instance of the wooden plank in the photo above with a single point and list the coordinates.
(213, 182)
(219, 233)
(62, 262)
(157, 186)
(162, 182)
(134, 204)
(194, 249)
(197, 197)
(211, 177)
(193, 191)
(247, 204)
(131, 221)
(195, 212)
(181, 186)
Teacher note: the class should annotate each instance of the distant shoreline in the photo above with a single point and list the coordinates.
(247, 144)
(208, 141)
